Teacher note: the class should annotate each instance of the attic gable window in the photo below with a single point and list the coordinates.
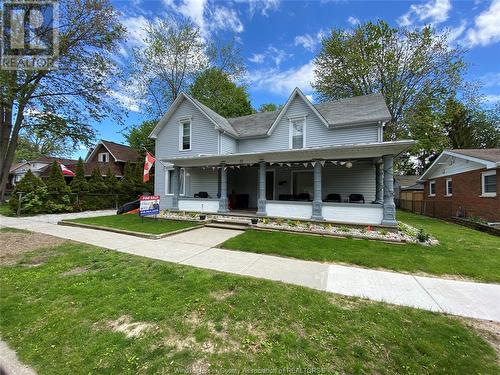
(185, 134)
(103, 157)
(297, 132)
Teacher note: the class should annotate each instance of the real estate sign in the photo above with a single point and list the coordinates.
(150, 205)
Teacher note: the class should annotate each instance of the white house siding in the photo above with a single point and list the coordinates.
(354, 214)
(229, 145)
(199, 205)
(204, 136)
(202, 180)
(360, 179)
(293, 210)
(317, 134)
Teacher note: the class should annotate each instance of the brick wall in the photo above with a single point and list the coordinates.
(466, 195)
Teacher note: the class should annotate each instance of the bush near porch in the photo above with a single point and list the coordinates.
(86, 310)
(461, 252)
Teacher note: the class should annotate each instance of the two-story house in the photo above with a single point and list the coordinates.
(316, 162)
(108, 155)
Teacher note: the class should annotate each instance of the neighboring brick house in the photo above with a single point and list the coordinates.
(464, 183)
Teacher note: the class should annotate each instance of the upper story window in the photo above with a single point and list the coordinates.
(185, 135)
(297, 132)
(489, 184)
(103, 157)
(449, 187)
(432, 188)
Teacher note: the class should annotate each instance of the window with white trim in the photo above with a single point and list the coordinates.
(169, 182)
(185, 135)
(297, 132)
(432, 188)
(103, 157)
(449, 187)
(489, 184)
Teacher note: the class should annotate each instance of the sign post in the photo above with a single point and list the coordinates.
(149, 205)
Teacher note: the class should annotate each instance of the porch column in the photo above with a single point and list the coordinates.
(223, 190)
(261, 202)
(379, 175)
(317, 204)
(389, 207)
(175, 185)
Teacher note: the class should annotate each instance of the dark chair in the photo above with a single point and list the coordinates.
(356, 198)
(201, 194)
(332, 197)
(303, 197)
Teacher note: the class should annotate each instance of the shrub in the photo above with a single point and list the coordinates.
(423, 236)
(344, 229)
(28, 184)
(383, 232)
(79, 183)
(35, 202)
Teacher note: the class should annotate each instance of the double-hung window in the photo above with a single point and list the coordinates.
(185, 135)
(489, 184)
(297, 132)
(432, 188)
(449, 187)
(169, 182)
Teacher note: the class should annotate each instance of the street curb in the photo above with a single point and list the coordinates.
(128, 232)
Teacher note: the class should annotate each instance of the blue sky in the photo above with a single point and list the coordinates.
(279, 39)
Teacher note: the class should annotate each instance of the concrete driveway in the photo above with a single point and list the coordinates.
(198, 248)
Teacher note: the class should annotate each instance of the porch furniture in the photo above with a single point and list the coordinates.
(356, 198)
(201, 194)
(332, 197)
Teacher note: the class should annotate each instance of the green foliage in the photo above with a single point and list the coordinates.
(138, 137)
(112, 183)
(79, 183)
(269, 107)
(215, 89)
(56, 184)
(36, 201)
(28, 184)
(422, 235)
(96, 182)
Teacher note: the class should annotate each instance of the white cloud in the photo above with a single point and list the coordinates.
(257, 58)
(309, 97)
(192, 9)
(491, 79)
(283, 82)
(492, 99)
(432, 12)
(135, 29)
(127, 101)
(226, 19)
(353, 21)
(264, 6)
(309, 42)
(454, 33)
(486, 28)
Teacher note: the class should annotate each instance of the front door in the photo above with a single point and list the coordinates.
(270, 185)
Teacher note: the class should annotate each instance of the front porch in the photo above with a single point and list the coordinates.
(353, 186)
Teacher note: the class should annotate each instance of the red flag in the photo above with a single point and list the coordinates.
(148, 163)
(66, 171)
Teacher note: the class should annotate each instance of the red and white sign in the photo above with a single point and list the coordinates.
(66, 171)
(149, 205)
(148, 163)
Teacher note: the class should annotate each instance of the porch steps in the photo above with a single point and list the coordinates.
(223, 225)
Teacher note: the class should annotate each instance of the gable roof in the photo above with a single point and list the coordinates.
(42, 159)
(339, 113)
(119, 152)
(489, 158)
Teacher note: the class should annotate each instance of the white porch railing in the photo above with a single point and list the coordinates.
(289, 209)
(205, 205)
(353, 213)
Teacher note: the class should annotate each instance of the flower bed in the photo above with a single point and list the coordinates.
(403, 233)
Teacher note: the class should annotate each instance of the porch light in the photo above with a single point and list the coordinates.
(348, 164)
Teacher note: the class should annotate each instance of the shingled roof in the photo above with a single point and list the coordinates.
(339, 113)
(490, 154)
(121, 152)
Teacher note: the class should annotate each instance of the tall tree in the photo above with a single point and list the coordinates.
(402, 64)
(215, 89)
(269, 107)
(138, 136)
(76, 91)
(79, 183)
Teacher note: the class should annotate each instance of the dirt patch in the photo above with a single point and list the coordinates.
(15, 244)
(488, 330)
(222, 294)
(125, 325)
(75, 271)
(199, 367)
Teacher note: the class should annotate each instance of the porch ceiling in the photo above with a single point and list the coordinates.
(340, 152)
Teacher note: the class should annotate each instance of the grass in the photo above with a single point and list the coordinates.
(13, 230)
(62, 322)
(135, 224)
(5, 209)
(462, 251)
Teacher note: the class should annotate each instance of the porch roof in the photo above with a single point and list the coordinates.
(339, 152)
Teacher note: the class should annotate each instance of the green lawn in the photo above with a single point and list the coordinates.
(71, 314)
(135, 224)
(461, 251)
(5, 209)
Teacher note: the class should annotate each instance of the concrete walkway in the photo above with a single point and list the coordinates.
(197, 248)
(10, 364)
